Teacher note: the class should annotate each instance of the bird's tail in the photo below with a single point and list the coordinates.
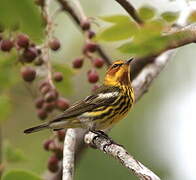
(36, 128)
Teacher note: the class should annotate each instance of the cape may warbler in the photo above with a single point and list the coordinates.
(105, 107)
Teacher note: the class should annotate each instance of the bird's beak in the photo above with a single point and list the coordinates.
(129, 61)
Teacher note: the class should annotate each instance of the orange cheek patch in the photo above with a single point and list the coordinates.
(112, 71)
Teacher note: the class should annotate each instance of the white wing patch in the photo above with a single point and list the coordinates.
(108, 95)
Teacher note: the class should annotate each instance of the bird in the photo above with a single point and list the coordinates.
(106, 106)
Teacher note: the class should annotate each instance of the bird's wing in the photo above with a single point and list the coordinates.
(102, 96)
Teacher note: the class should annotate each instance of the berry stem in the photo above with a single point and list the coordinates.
(78, 15)
(48, 33)
(130, 10)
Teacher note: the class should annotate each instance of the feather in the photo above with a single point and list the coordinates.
(36, 128)
(89, 103)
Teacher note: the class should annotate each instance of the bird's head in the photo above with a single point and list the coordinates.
(118, 73)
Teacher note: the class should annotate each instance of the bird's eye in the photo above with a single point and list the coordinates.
(116, 65)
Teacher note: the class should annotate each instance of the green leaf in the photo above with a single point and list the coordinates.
(125, 48)
(116, 19)
(118, 32)
(170, 16)
(192, 17)
(146, 12)
(65, 87)
(20, 175)
(147, 47)
(13, 154)
(147, 41)
(5, 107)
(149, 30)
(24, 14)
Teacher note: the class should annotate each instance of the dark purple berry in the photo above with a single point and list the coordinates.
(48, 106)
(30, 54)
(42, 114)
(85, 25)
(91, 47)
(91, 34)
(62, 103)
(77, 63)
(22, 41)
(98, 62)
(47, 143)
(55, 44)
(93, 76)
(39, 102)
(58, 76)
(53, 164)
(6, 45)
(28, 74)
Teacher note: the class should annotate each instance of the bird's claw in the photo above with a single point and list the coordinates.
(104, 135)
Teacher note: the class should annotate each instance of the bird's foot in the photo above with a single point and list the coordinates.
(100, 133)
(104, 135)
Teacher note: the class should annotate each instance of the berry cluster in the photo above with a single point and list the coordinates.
(49, 98)
(27, 52)
(89, 50)
(56, 147)
(30, 57)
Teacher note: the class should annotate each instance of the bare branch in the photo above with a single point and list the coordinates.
(119, 152)
(69, 154)
(130, 10)
(66, 7)
(45, 49)
(78, 15)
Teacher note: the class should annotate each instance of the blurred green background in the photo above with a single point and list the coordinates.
(159, 132)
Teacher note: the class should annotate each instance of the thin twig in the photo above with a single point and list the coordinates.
(103, 55)
(46, 69)
(78, 15)
(71, 11)
(130, 10)
(119, 152)
(45, 49)
(69, 154)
